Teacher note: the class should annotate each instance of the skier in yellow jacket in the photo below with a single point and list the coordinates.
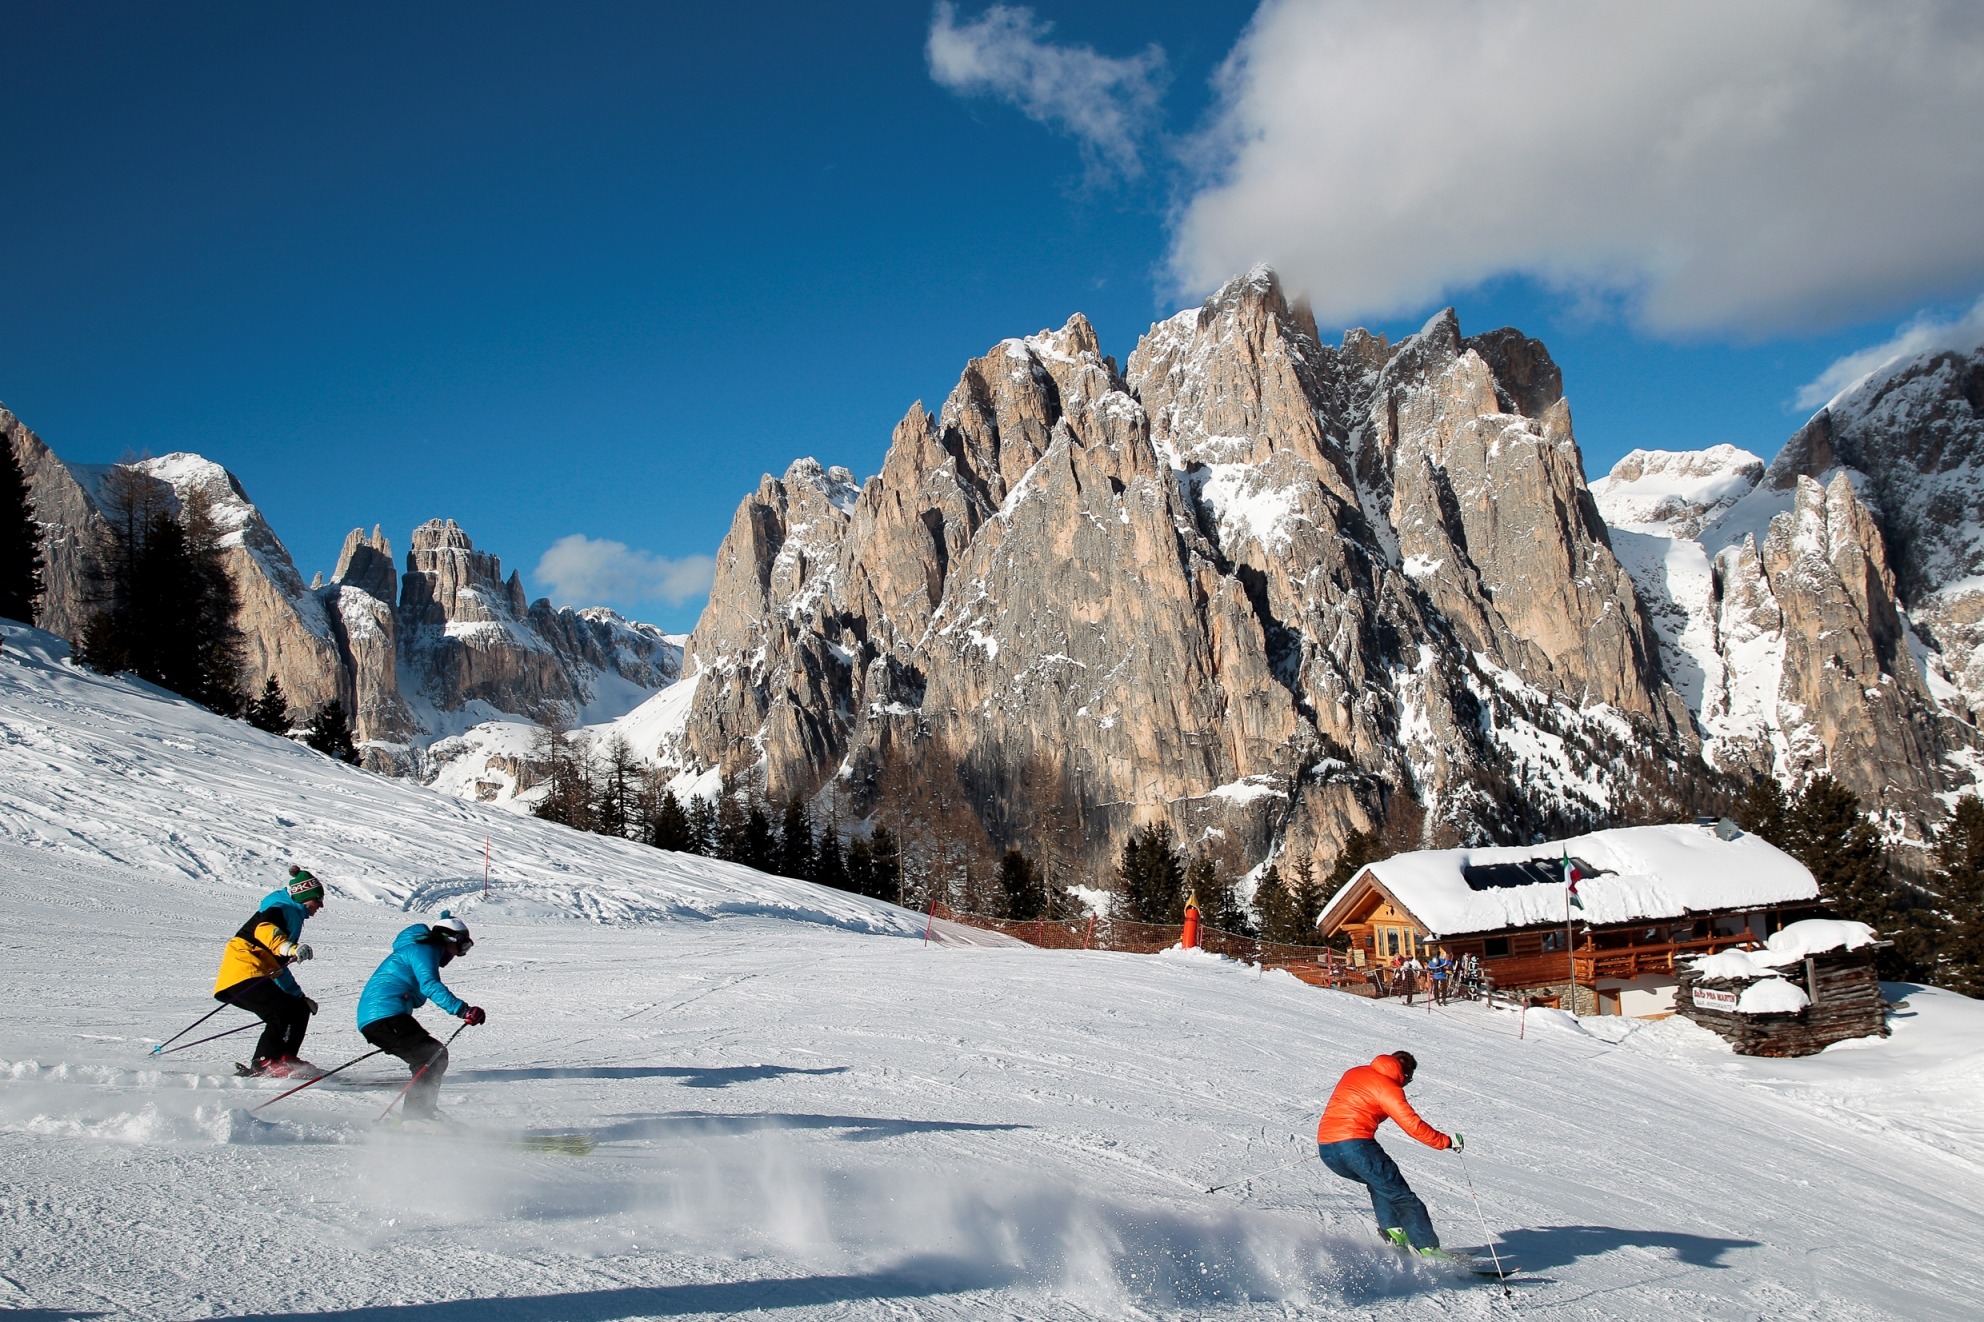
(255, 975)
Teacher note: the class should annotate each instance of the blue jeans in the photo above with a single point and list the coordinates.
(1398, 1208)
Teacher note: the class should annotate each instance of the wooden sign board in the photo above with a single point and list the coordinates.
(1707, 998)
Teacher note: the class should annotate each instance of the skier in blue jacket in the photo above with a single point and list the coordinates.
(405, 980)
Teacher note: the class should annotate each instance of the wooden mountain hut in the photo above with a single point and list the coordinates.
(1813, 984)
(1647, 897)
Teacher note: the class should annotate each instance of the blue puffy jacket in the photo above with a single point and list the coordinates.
(406, 980)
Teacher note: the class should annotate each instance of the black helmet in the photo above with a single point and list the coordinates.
(1407, 1062)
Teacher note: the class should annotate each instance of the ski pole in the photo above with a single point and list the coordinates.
(416, 1077)
(208, 1015)
(1500, 1275)
(1248, 1179)
(253, 1023)
(319, 1079)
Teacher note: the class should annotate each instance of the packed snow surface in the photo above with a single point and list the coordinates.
(802, 1111)
(1644, 872)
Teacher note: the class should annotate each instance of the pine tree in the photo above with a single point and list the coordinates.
(20, 542)
(1219, 901)
(215, 634)
(701, 812)
(1308, 896)
(727, 835)
(1959, 883)
(795, 855)
(1151, 876)
(885, 879)
(760, 843)
(165, 604)
(270, 711)
(829, 862)
(1764, 810)
(329, 732)
(861, 868)
(1020, 886)
(1831, 836)
(565, 771)
(1273, 906)
(668, 823)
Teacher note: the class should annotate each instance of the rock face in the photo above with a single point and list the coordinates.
(1819, 615)
(412, 657)
(72, 530)
(1264, 588)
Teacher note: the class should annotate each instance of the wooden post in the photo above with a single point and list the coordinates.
(485, 867)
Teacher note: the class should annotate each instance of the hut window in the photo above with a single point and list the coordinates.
(1495, 947)
(1553, 941)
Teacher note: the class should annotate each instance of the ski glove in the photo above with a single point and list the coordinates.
(1459, 1143)
(312, 1004)
(302, 953)
(473, 1015)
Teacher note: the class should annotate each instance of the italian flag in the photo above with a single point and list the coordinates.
(1571, 879)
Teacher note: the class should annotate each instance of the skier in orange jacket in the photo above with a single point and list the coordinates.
(1346, 1140)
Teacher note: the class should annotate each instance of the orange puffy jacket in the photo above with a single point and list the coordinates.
(1364, 1097)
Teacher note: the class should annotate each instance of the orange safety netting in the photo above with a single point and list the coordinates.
(1312, 964)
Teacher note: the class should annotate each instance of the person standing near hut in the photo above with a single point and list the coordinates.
(1439, 970)
(1346, 1140)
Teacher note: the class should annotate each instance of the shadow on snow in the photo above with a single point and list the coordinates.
(691, 1076)
(862, 1128)
(1559, 1246)
(915, 1279)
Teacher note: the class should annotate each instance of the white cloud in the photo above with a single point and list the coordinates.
(1925, 334)
(582, 571)
(1749, 167)
(1107, 104)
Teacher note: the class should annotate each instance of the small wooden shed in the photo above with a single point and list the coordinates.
(1812, 985)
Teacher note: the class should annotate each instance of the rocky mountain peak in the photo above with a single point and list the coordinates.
(1675, 493)
(366, 563)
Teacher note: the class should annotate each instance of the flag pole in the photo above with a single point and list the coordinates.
(1570, 948)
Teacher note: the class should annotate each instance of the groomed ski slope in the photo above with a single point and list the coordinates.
(801, 1109)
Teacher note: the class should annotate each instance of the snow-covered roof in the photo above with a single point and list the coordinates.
(1631, 873)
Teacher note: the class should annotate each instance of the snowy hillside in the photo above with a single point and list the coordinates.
(799, 1111)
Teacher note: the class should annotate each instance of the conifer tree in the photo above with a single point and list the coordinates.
(668, 823)
(1959, 883)
(1764, 810)
(20, 542)
(270, 712)
(727, 836)
(1361, 848)
(702, 814)
(885, 879)
(329, 732)
(795, 854)
(1272, 905)
(829, 861)
(1831, 836)
(1151, 877)
(565, 771)
(861, 868)
(760, 843)
(1219, 901)
(1020, 886)
(215, 635)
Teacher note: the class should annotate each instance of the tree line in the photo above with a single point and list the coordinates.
(1935, 921)
(610, 791)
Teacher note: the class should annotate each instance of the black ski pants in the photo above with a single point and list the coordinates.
(401, 1035)
(286, 1017)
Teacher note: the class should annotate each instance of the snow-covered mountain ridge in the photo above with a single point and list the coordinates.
(1367, 580)
(413, 656)
(801, 1113)
(1819, 615)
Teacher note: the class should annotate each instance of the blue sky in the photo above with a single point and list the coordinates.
(554, 270)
